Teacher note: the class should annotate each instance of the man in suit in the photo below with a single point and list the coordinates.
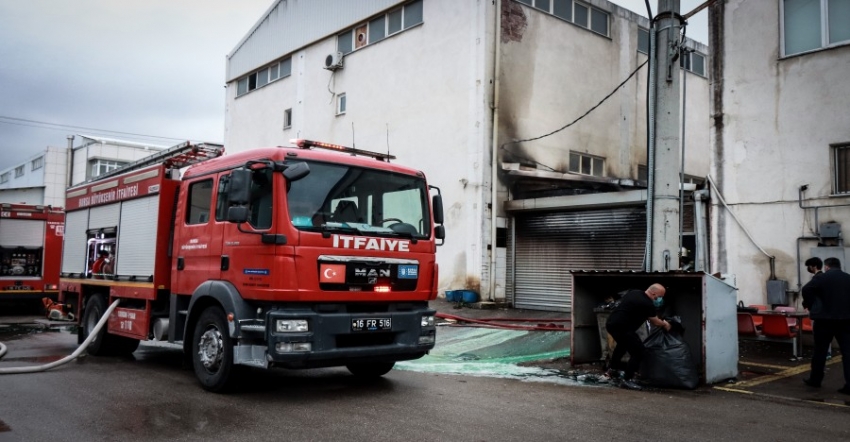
(828, 299)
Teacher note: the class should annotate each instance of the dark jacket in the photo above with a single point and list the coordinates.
(828, 296)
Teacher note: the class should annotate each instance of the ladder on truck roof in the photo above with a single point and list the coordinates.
(179, 156)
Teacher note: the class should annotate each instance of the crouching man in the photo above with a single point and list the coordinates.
(635, 308)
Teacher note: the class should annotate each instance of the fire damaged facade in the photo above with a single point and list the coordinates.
(530, 116)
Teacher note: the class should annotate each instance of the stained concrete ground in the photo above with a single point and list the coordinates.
(765, 369)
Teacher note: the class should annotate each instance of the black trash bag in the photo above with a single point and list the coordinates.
(667, 360)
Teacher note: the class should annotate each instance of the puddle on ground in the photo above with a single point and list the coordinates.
(498, 353)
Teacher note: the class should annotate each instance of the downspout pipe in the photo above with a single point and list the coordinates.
(650, 147)
(494, 161)
(69, 167)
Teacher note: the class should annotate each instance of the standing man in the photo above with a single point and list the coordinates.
(814, 266)
(828, 299)
(635, 308)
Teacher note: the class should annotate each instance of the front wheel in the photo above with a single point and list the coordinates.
(369, 371)
(212, 351)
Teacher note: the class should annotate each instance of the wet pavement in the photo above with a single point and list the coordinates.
(765, 368)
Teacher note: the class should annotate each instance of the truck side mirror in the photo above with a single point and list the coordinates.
(237, 214)
(296, 171)
(437, 203)
(240, 188)
(440, 232)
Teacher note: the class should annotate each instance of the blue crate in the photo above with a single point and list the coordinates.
(467, 296)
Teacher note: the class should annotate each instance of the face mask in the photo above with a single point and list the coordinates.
(658, 302)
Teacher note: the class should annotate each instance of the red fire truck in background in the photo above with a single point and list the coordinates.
(290, 257)
(30, 251)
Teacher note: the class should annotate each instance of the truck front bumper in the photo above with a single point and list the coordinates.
(341, 338)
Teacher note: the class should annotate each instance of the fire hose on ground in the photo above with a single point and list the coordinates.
(66, 359)
(542, 324)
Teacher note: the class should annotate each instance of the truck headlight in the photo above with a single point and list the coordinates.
(291, 325)
(428, 321)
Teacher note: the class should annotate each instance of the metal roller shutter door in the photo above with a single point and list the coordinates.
(548, 245)
(137, 244)
(74, 246)
(21, 233)
(104, 216)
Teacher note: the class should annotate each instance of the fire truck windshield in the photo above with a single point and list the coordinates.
(359, 200)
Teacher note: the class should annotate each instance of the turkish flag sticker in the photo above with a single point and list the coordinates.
(332, 273)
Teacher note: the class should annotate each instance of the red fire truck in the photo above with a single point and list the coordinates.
(30, 251)
(291, 257)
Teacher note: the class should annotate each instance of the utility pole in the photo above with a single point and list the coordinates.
(664, 144)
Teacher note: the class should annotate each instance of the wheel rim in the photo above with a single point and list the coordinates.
(211, 349)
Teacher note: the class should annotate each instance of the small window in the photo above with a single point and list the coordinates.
(586, 164)
(394, 22)
(286, 67)
(100, 167)
(808, 25)
(262, 78)
(542, 5)
(287, 118)
(580, 15)
(841, 172)
(643, 41)
(698, 64)
(377, 29)
(199, 203)
(252, 81)
(274, 72)
(242, 86)
(340, 104)
(38, 163)
(563, 9)
(345, 42)
(599, 21)
(19, 171)
(5, 177)
(221, 204)
(412, 14)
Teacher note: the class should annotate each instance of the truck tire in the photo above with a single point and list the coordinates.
(104, 344)
(212, 351)
(370, 371)
(95, 307)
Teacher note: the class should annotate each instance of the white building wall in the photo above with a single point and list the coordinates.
(421, 94)
(778, 118)
(428, 91)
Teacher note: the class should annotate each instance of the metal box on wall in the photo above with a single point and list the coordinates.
(707, 306)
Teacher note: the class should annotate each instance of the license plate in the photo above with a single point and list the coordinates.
(371, 324)
(18, 287)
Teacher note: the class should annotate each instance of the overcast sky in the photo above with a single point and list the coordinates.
(133, 67)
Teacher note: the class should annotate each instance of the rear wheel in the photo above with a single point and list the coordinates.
(104, 344)
(212, 351)
(95, 307)
(369, 371)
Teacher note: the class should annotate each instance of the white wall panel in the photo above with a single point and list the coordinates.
(104, 216)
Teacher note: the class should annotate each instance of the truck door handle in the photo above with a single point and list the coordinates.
(225, 262)
(180, 263)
